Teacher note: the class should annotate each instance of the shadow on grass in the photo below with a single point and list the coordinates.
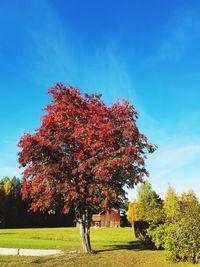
(7, 233)
(134, 245)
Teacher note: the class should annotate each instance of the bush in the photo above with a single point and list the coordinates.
(157, 235)
(181, 240)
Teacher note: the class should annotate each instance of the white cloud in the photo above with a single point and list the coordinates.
(176, 161)
(175, 157)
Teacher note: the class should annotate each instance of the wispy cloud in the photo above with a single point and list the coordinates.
(180, 33)
(105, 71)
(175, 156)
(176, 161)
(54, 55)
(59, 54)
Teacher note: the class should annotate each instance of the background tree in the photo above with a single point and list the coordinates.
(83, 155)
(2, 207)
(15, 203)
(149, 204)
(171, 205)
(158, 232)
(132, 213)
(11, 198)
(6, 187)
(179, 233)
(4, 180)
(188, 199)
(14, 211)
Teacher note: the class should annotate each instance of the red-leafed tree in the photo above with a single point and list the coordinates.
(82, 156)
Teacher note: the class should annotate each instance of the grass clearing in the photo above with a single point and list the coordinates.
(114, 247)
(62, 238)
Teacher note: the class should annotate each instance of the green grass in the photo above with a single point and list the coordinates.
(62, 238)
(114, 247)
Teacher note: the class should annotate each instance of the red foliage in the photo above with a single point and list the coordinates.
(83, 153)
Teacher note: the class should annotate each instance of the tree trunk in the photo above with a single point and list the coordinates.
(85, 235)
(133, 227)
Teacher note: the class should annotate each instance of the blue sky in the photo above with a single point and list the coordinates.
(144, 51)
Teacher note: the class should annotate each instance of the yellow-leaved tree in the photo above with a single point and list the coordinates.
(132, 214)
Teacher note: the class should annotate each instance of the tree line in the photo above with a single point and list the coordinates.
(14, 212)
(172, 224)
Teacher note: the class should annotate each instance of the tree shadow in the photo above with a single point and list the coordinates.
(7, 233)
(133, 245)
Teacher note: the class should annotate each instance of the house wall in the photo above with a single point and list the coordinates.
(95, 224)
(110, 218)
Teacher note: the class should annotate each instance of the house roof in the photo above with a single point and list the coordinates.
(97, 217)
(109, 210)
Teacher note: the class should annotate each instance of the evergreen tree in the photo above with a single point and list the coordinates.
(149, 204)
(2, 207)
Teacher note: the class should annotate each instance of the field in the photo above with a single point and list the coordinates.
(113, 247)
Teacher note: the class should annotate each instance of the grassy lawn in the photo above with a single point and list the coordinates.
(114, 247)
(62, 238)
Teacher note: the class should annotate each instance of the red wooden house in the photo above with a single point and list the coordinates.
(106, 218)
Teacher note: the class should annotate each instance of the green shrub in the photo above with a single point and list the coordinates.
(157, 234)
(180, 239)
